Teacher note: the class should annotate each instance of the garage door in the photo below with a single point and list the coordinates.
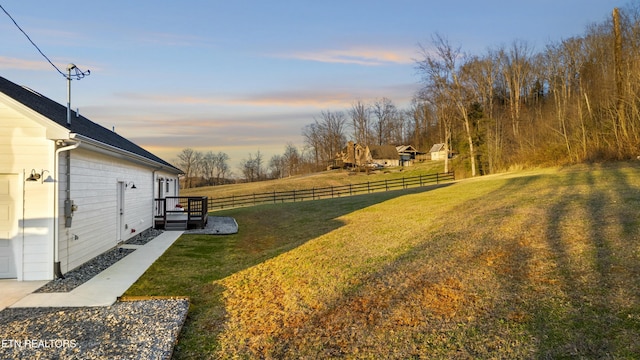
(8, 226)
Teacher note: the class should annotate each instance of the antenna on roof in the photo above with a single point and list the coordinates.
(78, 74)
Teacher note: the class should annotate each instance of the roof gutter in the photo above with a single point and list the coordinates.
(56, 208)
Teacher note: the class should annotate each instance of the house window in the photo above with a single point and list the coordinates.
(166, 186)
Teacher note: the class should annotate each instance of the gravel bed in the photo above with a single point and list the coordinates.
(144, 237)
(146, 329)
(88, 270)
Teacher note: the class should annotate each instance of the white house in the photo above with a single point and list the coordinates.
(438, 152)
(69, 190)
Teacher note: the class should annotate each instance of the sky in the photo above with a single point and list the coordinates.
(241, 76)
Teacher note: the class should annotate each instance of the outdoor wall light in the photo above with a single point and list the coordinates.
(37, 176)
(130, 185)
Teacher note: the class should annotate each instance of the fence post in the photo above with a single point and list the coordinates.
(437, 177)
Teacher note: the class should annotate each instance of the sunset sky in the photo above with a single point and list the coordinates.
(242, 76)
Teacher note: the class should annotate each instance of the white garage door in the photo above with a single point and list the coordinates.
(8, 197)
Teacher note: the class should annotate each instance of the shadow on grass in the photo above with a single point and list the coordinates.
(562, 265)
(541, 266)
(194, 262)
(587, 228)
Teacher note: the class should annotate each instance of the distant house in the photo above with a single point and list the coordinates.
(353, 155)
(385, 155)
(408, 154)
(69, 188)
(438, 152)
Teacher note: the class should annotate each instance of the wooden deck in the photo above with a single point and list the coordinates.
(181, 213)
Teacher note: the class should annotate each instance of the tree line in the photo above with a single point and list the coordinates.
(209, 168)
(575, 100)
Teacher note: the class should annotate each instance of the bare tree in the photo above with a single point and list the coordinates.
(481, 75)
(188, 161)
(326, 135)
(516, 71)
(291, 160)
(440, 71)
(360, 118)
(421, 124)
(313, 140)
(208, 167)
(276, 167)
(384, 112)
(252, 168)
(221, 167)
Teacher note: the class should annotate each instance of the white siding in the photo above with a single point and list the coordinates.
(24, 147)
(25, 144)
(94, 190)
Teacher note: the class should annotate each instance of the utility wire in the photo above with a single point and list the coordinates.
(78, 74)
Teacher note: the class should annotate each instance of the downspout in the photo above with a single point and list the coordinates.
(56, 208)
(153, 198)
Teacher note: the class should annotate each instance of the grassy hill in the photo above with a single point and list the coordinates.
(317, 180)
(531, 264)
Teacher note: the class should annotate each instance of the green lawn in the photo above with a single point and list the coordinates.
(532, 264)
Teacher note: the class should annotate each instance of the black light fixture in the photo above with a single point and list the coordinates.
(37, 176)
(131, 185)
(34, 176)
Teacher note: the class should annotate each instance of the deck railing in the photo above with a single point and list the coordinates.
(194, 207)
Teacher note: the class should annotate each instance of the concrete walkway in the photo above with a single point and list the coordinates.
(104, 288)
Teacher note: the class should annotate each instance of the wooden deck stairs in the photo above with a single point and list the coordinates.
(181, 212)
(177, 224)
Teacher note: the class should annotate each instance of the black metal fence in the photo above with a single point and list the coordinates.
(327, 192)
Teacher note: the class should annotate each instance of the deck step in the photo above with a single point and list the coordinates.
(175, 225)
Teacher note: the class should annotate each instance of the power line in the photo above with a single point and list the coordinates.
(78, 74)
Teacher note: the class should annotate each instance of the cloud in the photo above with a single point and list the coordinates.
(22, 64)
(315, 99)
(291, 98)
(358, 56)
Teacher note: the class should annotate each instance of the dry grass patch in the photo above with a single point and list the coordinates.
(540, 264)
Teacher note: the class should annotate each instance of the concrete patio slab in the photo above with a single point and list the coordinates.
(13, 290)
(217, 225)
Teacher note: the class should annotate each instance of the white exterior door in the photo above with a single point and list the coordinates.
(8, 226)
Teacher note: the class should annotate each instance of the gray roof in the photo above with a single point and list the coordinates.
(79, 124)
(384, 152)
(436, 148)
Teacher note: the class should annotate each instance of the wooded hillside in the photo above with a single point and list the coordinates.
(575, 100)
